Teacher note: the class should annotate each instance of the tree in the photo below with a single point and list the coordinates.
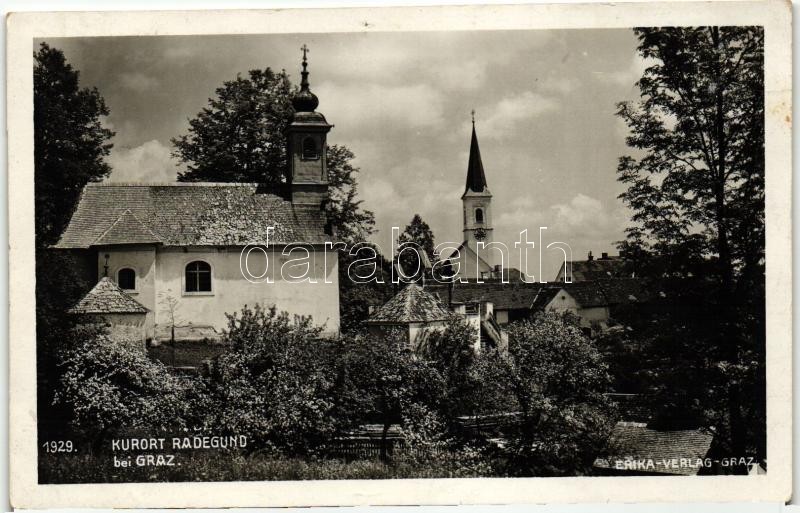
(391, 380)
(452, 352)
(69, 141)
(697, 187)
(559, 380)
(239, 137)
(274, 384)
(419, 236)
(109, 386)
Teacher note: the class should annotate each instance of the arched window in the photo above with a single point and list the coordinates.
(310, 151)
(479, 215)
(198, 276)
(126, 278)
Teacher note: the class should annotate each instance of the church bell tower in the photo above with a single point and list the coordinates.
(306, 137)
(476, 200)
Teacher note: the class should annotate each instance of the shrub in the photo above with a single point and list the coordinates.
(275, 383)
(108, 386)
(558, 379)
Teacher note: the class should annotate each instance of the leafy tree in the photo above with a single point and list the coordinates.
(69, 141)
(558, 380)
(696, 188)
(391, 380)
(452, 353)
(420, 236)
(239, 137)
(109, 386)
(274, 384)
(365, 279)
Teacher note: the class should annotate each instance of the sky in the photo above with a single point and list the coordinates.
(544, 102)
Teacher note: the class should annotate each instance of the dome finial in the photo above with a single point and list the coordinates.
(305, 100)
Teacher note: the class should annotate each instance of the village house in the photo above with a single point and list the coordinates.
(177, 249)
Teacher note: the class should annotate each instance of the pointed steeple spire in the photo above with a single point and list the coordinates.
(476, 179)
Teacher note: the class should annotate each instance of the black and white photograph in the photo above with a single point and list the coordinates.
(406, 254)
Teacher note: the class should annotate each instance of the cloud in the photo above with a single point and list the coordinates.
(515, 109)
(150, 162)
(137, 81)
(626, 77)
(368, 105)
(562, 85)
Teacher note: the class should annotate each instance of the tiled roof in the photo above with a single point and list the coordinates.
(597, 269)
(187, 214)
(412, 304)
(504, 296)
(589, 294)
(106, 298)
(638, 448)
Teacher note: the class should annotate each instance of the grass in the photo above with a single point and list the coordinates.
(199, 466)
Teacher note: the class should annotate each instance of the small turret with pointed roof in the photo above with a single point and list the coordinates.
(306, 139)
(477, 200)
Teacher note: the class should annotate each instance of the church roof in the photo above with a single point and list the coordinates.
(105, 298)
(476, 178)
(412, 304)
(189, 214)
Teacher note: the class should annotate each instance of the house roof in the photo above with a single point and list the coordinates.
(596, 269)
(106, 298)
(634, 442)
(504, 296)
(412, 304)
(589, 294)
(189, 214)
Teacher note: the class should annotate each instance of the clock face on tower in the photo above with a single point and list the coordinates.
(480, 234)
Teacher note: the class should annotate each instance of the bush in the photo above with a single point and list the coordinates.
(108, 386)
(558, 379)
(275, 383)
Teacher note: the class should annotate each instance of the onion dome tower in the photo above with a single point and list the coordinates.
(306, 137)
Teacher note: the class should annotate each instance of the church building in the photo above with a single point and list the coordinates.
(179, 249)
(474, 258)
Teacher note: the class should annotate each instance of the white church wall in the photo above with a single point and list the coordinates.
(142, 261)
(230, 291)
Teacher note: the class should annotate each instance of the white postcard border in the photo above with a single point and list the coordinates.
(774, 15)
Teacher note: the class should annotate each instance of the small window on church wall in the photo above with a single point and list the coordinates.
(310, 151)
(198, 277)
(126, 279)
(479, 215)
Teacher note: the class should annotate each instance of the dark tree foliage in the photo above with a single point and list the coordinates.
(365, 280)
(420, 236)
(391, 380)
(239, 137)
(558, 379)
(69, 141)
(696, 189)
(452, 353)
